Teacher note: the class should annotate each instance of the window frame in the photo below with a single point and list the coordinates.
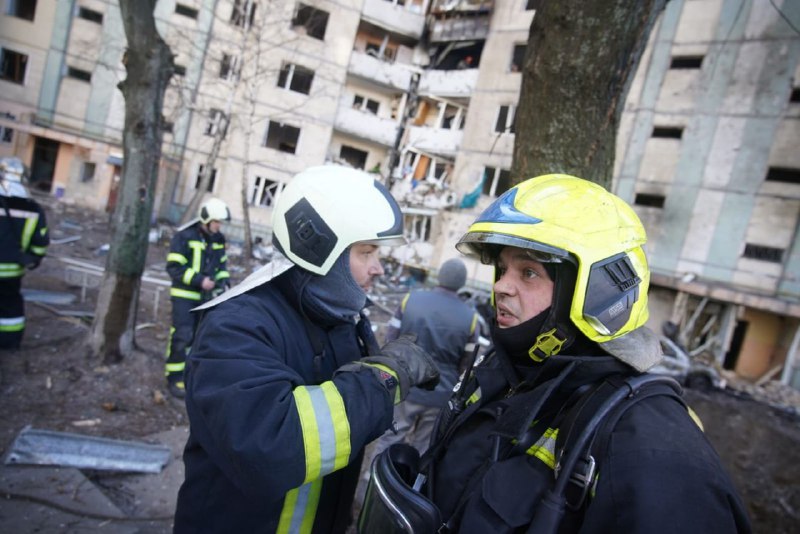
(20, 80)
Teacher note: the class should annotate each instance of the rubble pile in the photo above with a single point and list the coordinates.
(772, 392)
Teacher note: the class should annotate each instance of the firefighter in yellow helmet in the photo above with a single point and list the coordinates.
(561, 428)
(198, 265)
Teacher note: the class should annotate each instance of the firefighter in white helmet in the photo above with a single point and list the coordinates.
(285, 384)
(23, 243)
(197, 264)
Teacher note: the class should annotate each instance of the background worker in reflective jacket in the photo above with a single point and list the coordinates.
(197, 264)
(285, 383)
(570, 293)
(23, 243)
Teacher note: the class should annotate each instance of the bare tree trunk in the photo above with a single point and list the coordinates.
(580, 60)
(149, 65)
(208, 169)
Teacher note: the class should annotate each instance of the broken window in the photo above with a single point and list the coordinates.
(229, 67)
(355, 157)
(87, 171)
(281, 137)
(215, 122)
(366, 104)
(179, 70)
(417, 226)
(265, 191)
(6, 134)
(243, 14)
(795, 96)
(311, 21)
(517, 57)
(783, 174)
(295, 78)
(665, 132)
(763, 253)
(451, 117)
(506, 117)
(649, 200)
(12, 66)
(90, 14)
(79, 74)
(24, 9)
(213, 179)
(686, 62)
(186, 11)
(496, 181)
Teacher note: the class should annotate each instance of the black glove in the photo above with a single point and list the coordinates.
(30, 261)
(220, 287)
(400, 365)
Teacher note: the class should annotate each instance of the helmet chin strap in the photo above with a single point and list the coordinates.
(557, 332)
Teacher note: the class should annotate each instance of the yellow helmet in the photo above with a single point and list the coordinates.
(565, 220)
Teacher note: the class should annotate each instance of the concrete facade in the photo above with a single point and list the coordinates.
(424, 94)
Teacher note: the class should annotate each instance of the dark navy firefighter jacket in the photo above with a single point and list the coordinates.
(275, 445)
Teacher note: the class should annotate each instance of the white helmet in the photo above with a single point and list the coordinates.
(325, 209)
(12, 172)
(214, 210)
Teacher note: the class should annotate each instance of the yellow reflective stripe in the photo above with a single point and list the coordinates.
(545, 448)
(27, 232)
(11, 270)
(188, 274)
(696, 418)
(43, 231)
(12, 324)
(177, 258)
(341, 425)
(326, 429)
(474, 324)
(224, 258)
(222, 274)
(300, 509)
(175, 367)
(475, 397)
(403, 303)
(217, 246)
(169, 340)
(308, 423)
(184, 294)
(39, 251)
(197, 251)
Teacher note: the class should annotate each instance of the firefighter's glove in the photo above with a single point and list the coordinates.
(400, 365)
(31, 261)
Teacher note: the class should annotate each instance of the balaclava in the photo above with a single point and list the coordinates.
(335, 296)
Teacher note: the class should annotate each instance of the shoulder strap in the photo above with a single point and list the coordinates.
(574, 463)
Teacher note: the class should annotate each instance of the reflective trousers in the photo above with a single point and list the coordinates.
(12, 313)
(184, 323)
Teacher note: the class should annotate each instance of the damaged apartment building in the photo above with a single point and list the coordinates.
(423, 93)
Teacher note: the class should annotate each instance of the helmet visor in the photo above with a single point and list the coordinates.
(486, 245)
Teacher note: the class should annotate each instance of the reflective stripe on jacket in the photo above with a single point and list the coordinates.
(275, 439)
(194, 255)
(22, 234)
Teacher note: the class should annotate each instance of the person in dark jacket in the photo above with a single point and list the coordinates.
(570, 295)
(23, 243)
(449, 330)
(285, 383)
(197, 263)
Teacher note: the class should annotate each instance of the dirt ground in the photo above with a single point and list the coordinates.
(50, 383)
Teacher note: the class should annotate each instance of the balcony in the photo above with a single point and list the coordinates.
(448, 83)
(394, 75)
(365, 125)
(408, 20)
(459, 29)
(438, 141)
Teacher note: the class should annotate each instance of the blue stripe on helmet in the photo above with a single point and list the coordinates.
(502, 210)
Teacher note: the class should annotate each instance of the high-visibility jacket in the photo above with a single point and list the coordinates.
(194, 255)
(657, 474)
(23, 235)
(276, 439)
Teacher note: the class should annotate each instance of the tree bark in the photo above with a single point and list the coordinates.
(581, 58)
(149, 66)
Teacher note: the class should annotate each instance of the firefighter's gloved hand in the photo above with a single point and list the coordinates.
(31, 261)
(400, 365)
(221, 287)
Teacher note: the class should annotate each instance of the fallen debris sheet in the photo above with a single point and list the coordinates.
(48, 297)
(46, 447)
